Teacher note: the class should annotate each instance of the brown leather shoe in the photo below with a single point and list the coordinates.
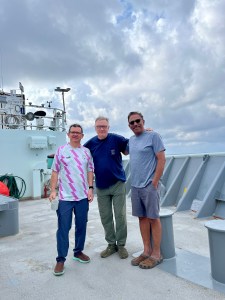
(59, 268)
(81, 257)
(150, 262)
(136, 261)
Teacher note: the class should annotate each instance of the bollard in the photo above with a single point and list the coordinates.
(216, 234)
(167, 241)
(9, 217)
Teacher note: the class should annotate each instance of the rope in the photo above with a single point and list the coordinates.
(11, 182)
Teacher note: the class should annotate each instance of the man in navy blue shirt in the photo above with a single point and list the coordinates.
(106, 149)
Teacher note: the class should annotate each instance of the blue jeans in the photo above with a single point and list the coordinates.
(65, 212)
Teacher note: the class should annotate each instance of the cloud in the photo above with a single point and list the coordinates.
(165, 59)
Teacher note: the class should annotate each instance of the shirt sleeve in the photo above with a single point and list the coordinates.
(123, 143)
(56, 161)
(90, 166)
(158, 145)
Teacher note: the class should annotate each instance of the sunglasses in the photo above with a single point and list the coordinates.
(135, 121)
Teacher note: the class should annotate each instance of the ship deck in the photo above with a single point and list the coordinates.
(28, 258)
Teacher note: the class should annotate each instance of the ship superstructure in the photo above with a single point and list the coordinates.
(28, 134)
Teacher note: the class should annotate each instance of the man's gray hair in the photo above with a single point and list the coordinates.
(101, 118)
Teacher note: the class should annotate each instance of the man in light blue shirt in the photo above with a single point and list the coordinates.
(147, 161)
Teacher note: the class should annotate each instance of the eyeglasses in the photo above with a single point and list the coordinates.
(75, 132)
(101, 126)
(135, 121)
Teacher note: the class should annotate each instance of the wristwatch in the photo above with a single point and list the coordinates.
(91, 187)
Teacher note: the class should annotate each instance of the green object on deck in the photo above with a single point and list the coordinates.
(11, 182)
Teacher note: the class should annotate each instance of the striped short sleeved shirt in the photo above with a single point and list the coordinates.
(73, 165)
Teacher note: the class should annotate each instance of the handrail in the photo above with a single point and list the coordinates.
(54, 122)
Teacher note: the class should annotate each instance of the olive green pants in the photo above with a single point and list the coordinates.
(112, 206)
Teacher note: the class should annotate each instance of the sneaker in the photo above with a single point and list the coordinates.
(122, 252)
(136, 261)
(109, 251)
(59, 268)
(81, 257)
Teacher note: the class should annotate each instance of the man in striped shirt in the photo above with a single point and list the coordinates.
(72, 170)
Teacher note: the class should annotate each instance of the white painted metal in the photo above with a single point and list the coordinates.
(28, 134)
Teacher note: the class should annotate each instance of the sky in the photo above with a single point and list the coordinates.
(164, 58)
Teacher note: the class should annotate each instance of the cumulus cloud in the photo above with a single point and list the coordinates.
(165, 59)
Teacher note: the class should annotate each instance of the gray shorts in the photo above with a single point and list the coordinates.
(145, 201)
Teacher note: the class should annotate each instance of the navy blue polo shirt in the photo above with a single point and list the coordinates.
(107, 159)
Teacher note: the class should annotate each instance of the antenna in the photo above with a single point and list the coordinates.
(1, 70)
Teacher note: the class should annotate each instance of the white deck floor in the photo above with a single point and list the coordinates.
(27, 260)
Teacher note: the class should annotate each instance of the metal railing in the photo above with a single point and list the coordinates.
(36, 118)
